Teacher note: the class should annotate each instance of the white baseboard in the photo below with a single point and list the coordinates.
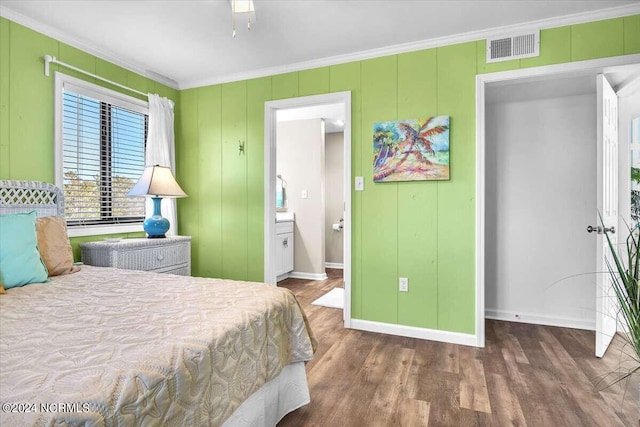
(414, 332)
(307, 276)
(338, 265)
(282, 277)
(540, 319)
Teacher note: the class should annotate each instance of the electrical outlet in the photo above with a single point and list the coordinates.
(404, 284)
(304, 194)
(359, 183)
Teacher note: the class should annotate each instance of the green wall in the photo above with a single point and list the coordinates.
(424, 230)
(26, 101)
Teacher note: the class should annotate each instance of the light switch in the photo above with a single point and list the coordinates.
(359, 183)
(304, 194)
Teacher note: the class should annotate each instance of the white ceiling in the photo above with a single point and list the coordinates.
(189, 43)
(332, 114)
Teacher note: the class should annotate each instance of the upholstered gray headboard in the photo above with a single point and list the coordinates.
(26, 196)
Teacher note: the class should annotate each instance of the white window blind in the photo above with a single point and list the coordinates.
(102, 154)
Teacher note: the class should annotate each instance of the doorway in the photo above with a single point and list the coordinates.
(486, 183)
(540, 178)
(272, 109)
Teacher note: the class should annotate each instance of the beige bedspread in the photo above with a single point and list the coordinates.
(123, 348)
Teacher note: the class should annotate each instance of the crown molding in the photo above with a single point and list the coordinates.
(74, 42)
(579, 18)
(561, 21)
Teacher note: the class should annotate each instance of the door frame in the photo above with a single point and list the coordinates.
(581, 68)
(270, 143)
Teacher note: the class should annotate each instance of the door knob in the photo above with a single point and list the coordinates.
(600, 230)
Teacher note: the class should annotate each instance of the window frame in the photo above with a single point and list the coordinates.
(82, 87)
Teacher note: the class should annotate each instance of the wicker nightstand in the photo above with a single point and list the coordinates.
(168, 255)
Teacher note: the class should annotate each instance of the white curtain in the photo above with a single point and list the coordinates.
(161, 151)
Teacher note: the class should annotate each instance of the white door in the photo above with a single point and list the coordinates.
(607, 188)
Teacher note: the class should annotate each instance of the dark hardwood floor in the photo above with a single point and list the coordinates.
(526, 375)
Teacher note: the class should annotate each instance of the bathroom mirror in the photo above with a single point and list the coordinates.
(281, 195)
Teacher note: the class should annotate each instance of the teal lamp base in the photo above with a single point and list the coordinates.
(156, 226)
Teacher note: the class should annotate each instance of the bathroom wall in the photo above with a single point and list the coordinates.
(334, 196)
(300, 161)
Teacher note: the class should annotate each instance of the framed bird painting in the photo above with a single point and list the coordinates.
(411, 150)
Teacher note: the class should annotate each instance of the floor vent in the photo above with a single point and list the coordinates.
(513, 47)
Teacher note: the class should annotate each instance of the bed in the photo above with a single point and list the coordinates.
(109, 347)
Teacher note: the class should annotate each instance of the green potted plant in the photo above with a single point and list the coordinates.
(635, 195)
(624, 270)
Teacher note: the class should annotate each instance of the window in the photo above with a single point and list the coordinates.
(100, 154)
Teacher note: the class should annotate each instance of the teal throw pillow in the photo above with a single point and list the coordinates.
(20, 262)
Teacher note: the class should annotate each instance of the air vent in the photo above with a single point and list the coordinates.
(513, 47)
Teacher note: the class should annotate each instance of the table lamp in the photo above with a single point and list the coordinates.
(156, 182)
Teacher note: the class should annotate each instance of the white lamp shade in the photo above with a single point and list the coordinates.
(157, 181)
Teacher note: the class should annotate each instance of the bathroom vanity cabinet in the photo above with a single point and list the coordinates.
(284, 248)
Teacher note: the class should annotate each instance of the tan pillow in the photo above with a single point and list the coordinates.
(2, 291)
(54, 246)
